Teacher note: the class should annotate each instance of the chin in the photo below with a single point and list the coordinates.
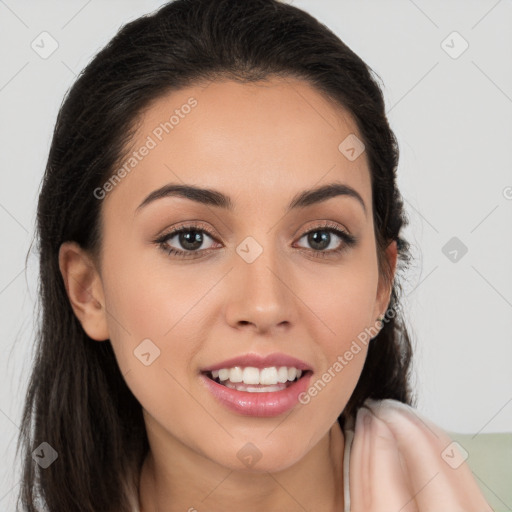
(253, 457)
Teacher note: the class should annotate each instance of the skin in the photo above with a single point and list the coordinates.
(261, 144)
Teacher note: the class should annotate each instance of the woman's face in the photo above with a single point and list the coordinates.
(252, 280)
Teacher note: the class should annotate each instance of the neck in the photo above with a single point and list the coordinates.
(187, 481)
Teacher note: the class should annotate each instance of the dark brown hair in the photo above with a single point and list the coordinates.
(77, 399)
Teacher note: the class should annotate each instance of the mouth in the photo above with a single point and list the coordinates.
(255, 380)
(250, 391)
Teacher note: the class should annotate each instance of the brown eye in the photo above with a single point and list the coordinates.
(328, 240)
(187, 241)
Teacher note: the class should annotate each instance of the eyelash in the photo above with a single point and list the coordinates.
(348, 240)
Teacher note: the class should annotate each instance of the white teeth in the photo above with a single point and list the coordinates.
(236, 374)
(269, 376)
(250, 389)
(224, 374)
(251, 375)
(282, 374)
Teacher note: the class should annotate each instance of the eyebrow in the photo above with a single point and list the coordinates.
(215, 198)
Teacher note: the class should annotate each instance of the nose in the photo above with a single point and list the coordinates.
(261, 295)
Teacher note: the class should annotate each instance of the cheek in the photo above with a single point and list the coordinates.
(343, 299)
(173, 305)
(151, 311)
(154, 334)
(152, 298)
(341, 340)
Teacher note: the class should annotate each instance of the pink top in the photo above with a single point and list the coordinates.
(396, 459)
(399, 460)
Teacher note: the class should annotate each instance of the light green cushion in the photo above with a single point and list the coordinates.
(490, 460)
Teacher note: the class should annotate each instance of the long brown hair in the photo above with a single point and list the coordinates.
(77, 400)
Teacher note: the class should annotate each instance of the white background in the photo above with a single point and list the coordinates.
(453, 120)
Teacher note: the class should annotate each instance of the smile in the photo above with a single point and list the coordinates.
(251, 391)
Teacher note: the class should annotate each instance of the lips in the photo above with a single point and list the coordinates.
(260, 400)
(259, 361)
(264, 405)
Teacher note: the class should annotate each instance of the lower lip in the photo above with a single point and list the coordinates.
(264, 405)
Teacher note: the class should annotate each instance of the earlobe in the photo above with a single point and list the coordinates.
(386, 284)
(85, 289)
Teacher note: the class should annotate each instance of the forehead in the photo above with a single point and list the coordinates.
(264, 139)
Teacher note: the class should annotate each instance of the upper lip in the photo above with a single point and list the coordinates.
(259, 361)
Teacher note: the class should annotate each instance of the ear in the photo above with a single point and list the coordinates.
(85, 289)
(386, 282)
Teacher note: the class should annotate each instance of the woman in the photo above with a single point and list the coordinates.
(219, 229)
